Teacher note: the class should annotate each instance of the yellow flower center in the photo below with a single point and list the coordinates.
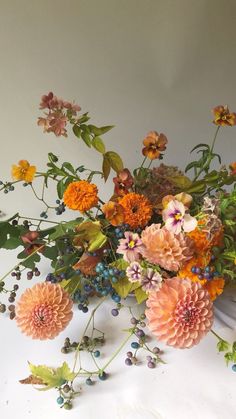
(131, 244)
(178, 216)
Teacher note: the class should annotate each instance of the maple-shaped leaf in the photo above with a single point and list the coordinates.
(52, 377)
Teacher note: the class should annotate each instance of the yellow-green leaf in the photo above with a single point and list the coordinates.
(106, 167)
(90, 232)
(182, 182)
(99, 145)
(115, 161)
(52, 377)
(140, 295)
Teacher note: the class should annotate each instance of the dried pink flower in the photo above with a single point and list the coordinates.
(165, 248)
(180, 312)
(44, 310)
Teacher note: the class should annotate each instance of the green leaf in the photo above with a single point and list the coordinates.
(30, 263)
(60, 188)
(196, 187)
(68, 166)
(50, 252)
(106, 167)
(90, 232)
(223, 346)
(100, 131)
(52, 377)
(182, 182)
(99, 145)
(115, 161)
(52, 158)
(86, 138)
(203, 145)
(140, 295)
(71, 285)
(123, 286)
(60, 231)
(228, 357)
(77, 131)
(12, 243)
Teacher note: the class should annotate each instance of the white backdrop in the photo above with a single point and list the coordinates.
(141, 65)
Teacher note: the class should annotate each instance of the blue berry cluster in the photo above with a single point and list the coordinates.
(55, 278)
(205, 273)
(60, 207)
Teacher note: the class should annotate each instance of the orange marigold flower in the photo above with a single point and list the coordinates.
(201, 261)
(232, 167)
(137, 209)
(154, 143)
(44, 310)
(114, 213)
(81, 195)
(200, 237)
(223, 117)
(215, 287)
(23, 171)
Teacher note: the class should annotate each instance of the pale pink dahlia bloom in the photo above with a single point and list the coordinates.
(44, 310)
(180, 312)
(165, 248)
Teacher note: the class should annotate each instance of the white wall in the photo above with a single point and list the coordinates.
(138, 64)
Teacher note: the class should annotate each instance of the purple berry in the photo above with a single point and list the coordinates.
(128, 361)
(115, 312)
(151, 364)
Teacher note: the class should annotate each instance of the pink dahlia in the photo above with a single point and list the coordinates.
(165, 248)
(43, 311)
(180, 312)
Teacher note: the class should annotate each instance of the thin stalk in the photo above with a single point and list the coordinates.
(117, 351)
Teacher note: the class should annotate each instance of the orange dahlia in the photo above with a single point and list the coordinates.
(114, 213)
(180, 312)
(137, 209)
(44, 310)
(81, 195)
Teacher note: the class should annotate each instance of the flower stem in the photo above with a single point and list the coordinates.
(117, 351)
(215, 334)
(214, 139)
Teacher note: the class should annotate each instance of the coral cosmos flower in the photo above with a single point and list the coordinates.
(232, 167)
(151, 280)
(123, 182)
(43, 311)
(176, 219)
(223, 117)
(130, 247)
(180, 312)
(134, 272)
(81, 195)
(154, 144)
(137, 209)
(114, 213)
(23, 171)
(164, 248)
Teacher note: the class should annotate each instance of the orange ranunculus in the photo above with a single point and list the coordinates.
(114, 213)
(137, 209)
(23, 171)
(81, 195)
(154, 143)
(232, 167)
(223, 117)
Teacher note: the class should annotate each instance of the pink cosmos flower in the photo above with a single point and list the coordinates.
(134, 272)
(151, 280)
(176, 219)
(180, 312)
(130, 247)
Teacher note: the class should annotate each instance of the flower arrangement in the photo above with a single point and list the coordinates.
(164, 239)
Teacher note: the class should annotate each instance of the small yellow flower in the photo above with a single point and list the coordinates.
(23, 171)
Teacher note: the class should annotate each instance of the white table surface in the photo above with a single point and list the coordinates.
(193, 384)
